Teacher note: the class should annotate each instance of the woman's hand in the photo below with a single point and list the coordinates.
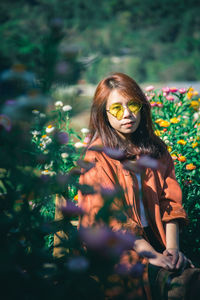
(179, 260)
(163, 261)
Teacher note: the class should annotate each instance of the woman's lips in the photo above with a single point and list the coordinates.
(129, 124)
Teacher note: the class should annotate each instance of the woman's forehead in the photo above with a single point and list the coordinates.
(118, 96)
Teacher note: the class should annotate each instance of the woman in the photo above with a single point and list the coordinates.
(121, 119)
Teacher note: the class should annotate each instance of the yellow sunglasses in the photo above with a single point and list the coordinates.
(117, 109)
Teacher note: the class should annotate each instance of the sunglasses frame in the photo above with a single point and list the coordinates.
(123, 108)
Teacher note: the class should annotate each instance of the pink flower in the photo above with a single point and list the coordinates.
(182, 91)
(170, 97)
(149, 88)
(173, 89)
(160, 105)
(166, 89)
(153, 104)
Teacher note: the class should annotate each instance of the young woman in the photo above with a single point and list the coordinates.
(121, 119)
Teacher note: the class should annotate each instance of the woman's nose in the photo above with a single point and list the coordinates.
(127, 112)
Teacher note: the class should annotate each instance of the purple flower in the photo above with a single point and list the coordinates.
(95, 238)
(137, 270)
(77, 264)
(71, 209)
(114, 153)
(85, 164)
(62, 137)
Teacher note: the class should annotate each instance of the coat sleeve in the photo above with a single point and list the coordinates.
(101, 177)
(171, 197)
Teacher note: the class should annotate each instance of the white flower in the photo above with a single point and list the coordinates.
(48, 166)
(47, 172)
(35, 112)
(64, 155)
(67, 108)
(78, 145)
(50, 128)
(42, 115)
(35, 132)
(58, 103)
(84, 130)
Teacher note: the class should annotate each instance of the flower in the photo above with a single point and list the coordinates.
(114, 153)
(78, 145)
(50, 128)
(153, 104)
(85, 130)
(194, 104)
(182, 91)
(170, 97)
(190, 167)
(166, 89)
(159, 104)
(78, 264)
(62, 137)
(182, 158)
(173, 89)
(194, 145)
(174, 120)
(174, 157)
(71, 209)
(158, 120)
(182, 142)
(169, 148)
(67, 108)
(48, 172)
(164, 124)
(5, 122)
(149, 88)
(157, 132)
(76, 197)
(35, 111)
(58, 103)
(64, 155)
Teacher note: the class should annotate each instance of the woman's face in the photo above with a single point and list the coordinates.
(129, 120)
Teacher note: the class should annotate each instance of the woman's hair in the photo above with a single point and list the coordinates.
(144, 140)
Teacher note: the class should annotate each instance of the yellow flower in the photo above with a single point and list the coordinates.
(169, 148)
(164, 124)
(76, 197)
(174, 157)
(44, 136)
(174, 120)
(190, 167)
(189, 95)
(194, 104)
(198, 138)
(194, 145)
(158, 120)
(195, 93)
(182, 158)
(157, 132)
(182, 142)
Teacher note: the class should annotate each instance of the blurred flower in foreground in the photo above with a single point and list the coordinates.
(190, 167)
(5, 122)
(139, 165)
(114, 153)
(62, 137)
(77, 264)
(71, 209)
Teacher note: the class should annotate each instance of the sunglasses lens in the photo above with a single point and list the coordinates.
(134, 107)
(116, 110)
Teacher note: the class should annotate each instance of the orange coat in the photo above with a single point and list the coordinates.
(162, 196)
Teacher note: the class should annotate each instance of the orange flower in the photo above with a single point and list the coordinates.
(76, 198)
(182, 158)
(174, 157)
(164, 124)
(182, 142)
(190, 167)
(169, 148)
(194, 145)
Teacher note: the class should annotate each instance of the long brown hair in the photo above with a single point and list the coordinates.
(143, 140)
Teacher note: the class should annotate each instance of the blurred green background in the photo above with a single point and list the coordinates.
(152, 41)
